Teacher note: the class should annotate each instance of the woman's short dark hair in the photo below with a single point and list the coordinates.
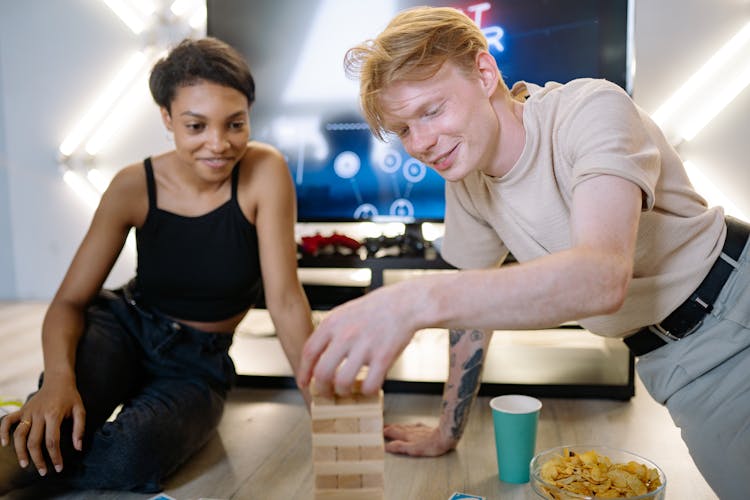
(193, 61)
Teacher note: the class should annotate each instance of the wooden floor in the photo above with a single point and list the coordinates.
(263, 447)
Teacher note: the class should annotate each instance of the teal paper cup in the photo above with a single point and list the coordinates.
(515, 419)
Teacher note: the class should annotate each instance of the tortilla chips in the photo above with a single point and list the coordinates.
(594, 475)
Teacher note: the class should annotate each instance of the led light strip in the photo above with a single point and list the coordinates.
(193, 10)
(146, 7)
(83, 189)
(104, 103)
(107, 114)
(710, 192)
(705, 95)
(694, 87)
(120, 110)
(125, 12)
(717, 101)
(97, 179)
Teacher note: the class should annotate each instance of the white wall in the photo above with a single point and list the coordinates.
(674, 38)
(7, 275)
(55, 56)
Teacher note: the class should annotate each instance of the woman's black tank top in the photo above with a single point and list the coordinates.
(203, 268)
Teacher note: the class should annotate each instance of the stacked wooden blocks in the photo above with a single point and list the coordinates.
(347, 443)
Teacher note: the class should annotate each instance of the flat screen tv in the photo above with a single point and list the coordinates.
(309, 109)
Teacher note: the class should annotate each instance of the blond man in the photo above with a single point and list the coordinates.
(584, 190)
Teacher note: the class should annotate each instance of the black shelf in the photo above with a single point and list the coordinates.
(376, 264)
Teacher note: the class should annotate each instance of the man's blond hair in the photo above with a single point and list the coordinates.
(414, 46)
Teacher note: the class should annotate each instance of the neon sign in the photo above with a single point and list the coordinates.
(492, 33)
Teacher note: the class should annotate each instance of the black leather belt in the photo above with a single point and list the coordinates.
(689, 315)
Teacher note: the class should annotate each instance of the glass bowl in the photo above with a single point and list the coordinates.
(556, 490)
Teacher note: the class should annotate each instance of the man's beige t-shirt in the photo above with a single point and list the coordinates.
(574, 132)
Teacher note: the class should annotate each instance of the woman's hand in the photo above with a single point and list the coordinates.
(417, 440)
(39, 422)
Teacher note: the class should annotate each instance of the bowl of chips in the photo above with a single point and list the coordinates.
(592, 472)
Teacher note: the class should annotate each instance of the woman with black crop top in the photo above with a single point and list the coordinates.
(213, 218)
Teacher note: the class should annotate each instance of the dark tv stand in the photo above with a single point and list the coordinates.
(377, 265)
(416, 253)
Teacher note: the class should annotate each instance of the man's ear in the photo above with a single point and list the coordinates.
(489, 74)
(166, 118)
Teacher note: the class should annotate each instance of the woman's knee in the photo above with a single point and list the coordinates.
(125, 464)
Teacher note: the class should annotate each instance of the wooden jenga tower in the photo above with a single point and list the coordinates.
(347, 444)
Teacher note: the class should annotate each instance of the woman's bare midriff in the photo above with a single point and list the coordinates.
(223, 326)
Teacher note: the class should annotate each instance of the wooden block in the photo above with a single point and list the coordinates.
(323, 425)
(373, 481)
(348, 449)
(324, 454)
(356, 386)
(346, 400)
(361, 376)
(326, 482)
(372, 452)
(371, 424)
(334, 412)
(361, 494)
(349, 440)
(323, 400)
(352, 467)
(371, 399)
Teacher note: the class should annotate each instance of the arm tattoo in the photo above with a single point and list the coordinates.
(455, 336)
(466, 391)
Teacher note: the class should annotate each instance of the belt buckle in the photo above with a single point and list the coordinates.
(670, 337)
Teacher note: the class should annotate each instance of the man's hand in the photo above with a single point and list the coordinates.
(369, 331)
(417, 440)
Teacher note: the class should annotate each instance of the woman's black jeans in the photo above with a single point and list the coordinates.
(171, 380)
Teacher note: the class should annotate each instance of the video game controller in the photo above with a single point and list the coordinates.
(404, 245)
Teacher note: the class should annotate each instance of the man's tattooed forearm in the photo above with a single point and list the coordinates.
(466, 391)
(459, 418)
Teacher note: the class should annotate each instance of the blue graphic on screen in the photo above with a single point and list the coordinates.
(305, 108)
(372, 180)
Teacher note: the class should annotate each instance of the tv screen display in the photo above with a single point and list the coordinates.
(309, 109)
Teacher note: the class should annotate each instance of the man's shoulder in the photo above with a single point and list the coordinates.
(580, 97)
(576, 87)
